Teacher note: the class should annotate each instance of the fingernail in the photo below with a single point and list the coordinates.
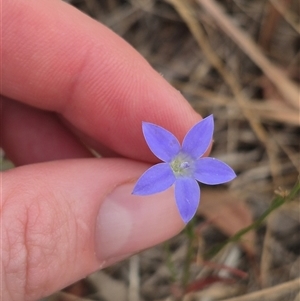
(128, 223)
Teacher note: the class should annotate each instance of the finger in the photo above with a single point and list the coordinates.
(62, 220)
(30, 135)
(56, 58)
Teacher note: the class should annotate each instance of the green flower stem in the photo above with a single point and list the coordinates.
(190, 233)
(170, 263)
(277, 202)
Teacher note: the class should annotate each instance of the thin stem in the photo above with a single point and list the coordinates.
(170, 264)
(277, 202)
(190, 233)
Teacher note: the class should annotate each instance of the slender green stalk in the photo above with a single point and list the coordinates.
(277, 202)
(190, 233)
(170, 264)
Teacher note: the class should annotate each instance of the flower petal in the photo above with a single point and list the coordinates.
(212, 171)
(187, 195)
(156, 179)
(198, 138)
(162, 143)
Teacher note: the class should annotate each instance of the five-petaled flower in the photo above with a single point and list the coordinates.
(183, 166)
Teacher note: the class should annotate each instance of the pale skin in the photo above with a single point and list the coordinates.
(67, 79)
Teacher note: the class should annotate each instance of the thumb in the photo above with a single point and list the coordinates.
(62, 220)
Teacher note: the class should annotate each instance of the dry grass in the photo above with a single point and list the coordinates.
(239, 60)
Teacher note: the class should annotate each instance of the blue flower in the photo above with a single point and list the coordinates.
(183, 166)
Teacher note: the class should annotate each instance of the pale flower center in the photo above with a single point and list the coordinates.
(182, 165)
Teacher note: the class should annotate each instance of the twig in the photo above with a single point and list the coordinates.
(217, 266)
(289, 17)
(266, 259)
(268, 110)
(134, 279)
(297, 298)
(294, 157)
(273, 293)
(287, 88)
(187, 14)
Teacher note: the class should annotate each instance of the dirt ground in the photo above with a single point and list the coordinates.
(239, 60)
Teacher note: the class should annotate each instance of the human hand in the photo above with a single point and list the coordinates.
(66, 79)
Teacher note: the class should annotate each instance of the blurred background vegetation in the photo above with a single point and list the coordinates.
(239, 60)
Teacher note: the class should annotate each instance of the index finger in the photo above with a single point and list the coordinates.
(56, 58)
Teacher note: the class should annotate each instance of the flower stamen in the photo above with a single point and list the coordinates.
(181, 166)
(184, 165)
